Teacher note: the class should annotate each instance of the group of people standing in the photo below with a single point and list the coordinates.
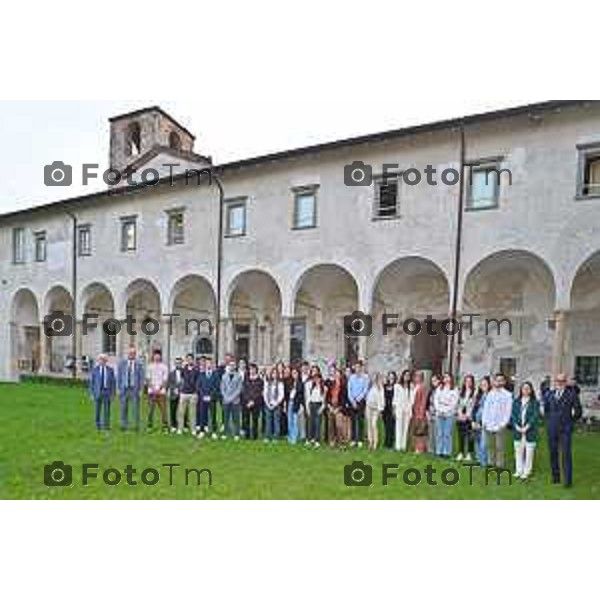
(342, 408)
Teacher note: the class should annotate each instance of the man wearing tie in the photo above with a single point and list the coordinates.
(561, 409)
(130, 380)
(102, 389)
(208, 388)
(175, 382)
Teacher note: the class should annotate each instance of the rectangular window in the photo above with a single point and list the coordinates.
(235, 218)
(109, 343)
(175, 233)
(483, 187)
(587, 370)
(590, 172)
(40, 246)
(305, 208)
(84, 240)
(18, 245)
(297, 340)
(508, 367)
(128, 234)
(386, 197)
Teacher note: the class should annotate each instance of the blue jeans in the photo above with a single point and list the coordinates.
(128, 396)
(272, 416)
(231, 419)
(292, 425)
(443, 430)
(203, 414)
(356, 422)
(480, 447)
(102, 406)
(314, 430)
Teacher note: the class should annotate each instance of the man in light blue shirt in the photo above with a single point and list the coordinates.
(358, 387)
(495, 418)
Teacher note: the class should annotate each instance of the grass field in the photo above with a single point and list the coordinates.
(41, 424)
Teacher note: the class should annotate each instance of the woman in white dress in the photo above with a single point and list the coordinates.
(404, 397)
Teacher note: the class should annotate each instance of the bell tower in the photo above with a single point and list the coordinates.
(134, 134)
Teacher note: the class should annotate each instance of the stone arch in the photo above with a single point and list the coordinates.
(193, 299)
(254, 323)
(322, 296)
(517, 285)
(410, 287)
(25, 332)
(97, 299)
(583, 325)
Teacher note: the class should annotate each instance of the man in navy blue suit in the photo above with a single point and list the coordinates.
(102, 389)
(208, 387)
(561, 409)
(130, 381)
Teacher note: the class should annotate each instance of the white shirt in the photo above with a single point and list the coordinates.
(404, 398)
(158, 373)
(376, 398)
(445, 401)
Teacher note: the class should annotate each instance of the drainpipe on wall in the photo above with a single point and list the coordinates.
(74, 290)
(217, 324)
(457, 248)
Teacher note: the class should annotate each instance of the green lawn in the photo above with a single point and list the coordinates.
(41, 424)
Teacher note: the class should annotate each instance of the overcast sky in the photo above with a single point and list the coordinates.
(248, 78)
(33, 134)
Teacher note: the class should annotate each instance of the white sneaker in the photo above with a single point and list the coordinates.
(460, 456)
(194, 433)
(201, 435)
(266, 440)
(468, 458)
(317, 445)
(360, 444)
(214, 436)
(173, 430)
(237, 438)
(223, 437)
(179, 432)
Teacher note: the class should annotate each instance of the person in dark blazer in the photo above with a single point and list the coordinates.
(561, 409)
(130, 382)
(252, 402)
(524, 421)
(102, 389)
(175, 380)
(209, 382)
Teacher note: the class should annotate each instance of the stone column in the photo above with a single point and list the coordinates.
(226, 337)
(286, 324)
(44, 351)
(363, 341)
(558, 346)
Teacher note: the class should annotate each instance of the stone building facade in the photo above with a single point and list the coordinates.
(300, 249)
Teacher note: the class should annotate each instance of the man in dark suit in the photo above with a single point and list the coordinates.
(561, 409)
(102, 389)
(130, 382)
(208, 388)
(175, 381)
